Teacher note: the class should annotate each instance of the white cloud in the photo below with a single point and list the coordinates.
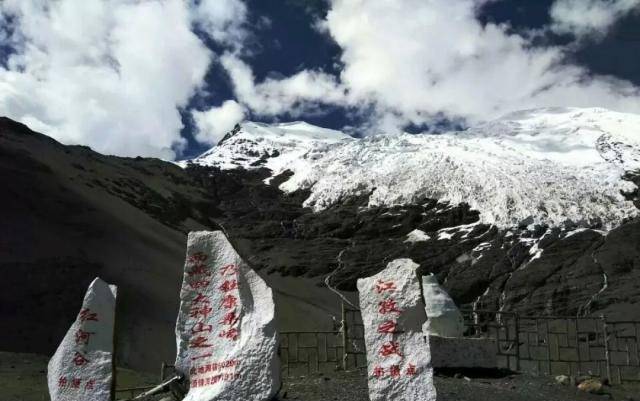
(418, 58)
(415, 61)
(114, 74)
(222, 20)
(214, 123)
(293, 95)
(589, 18)
(111, 74)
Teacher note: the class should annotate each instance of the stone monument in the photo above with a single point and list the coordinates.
(226, 332)
(443, 316)
(398, 355)
(82, 367)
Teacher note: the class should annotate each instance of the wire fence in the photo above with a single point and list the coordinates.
(554, 345)
(539, 345)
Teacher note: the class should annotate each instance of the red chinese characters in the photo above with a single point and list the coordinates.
(230, 319)
(388, 306)
(197, 257)
(232, 334)
(390, 348)
(212, 316)
(229, 270)
(201, 327)
(411, 370)
(385, 286)
(79, 359)
(388, 327)
(200, 311)
(196, 285)
(82, 337)
(199, 269)
(229, 285)
(86, 314)
(199, 342)
(76, 383)
(229, 301)
(198, 274)
(200, 299)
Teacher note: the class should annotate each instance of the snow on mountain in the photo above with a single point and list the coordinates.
(277, 147)
(549, 166)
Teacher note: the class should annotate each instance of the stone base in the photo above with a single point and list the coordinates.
(463, 352)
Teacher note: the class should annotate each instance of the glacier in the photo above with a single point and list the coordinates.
(552, 166)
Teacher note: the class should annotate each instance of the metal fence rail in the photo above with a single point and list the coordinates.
(304, 352)
(307, 352)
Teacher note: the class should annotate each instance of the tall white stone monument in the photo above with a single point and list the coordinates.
(82, 367)
(398, 355)
(443, 316)
(226, 332)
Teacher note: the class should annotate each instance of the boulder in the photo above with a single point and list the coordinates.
(443, 316)
(563, 380)
(226, 333)
(398, 355)
(82, 367)
(591, 385)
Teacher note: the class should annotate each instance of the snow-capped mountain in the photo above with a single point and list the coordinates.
(126, 219)
(545, 166)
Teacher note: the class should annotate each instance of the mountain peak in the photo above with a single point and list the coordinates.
(545, 166)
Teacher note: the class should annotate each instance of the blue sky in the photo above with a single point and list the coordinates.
(167, 78)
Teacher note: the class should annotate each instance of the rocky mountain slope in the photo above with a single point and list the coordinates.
(536, 212)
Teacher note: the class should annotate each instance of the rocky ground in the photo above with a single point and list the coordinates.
(353, 387)
(23, 378)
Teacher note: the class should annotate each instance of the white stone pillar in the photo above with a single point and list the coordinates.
(398, 356)
(82, 367)
(443, 316)
(226, 332)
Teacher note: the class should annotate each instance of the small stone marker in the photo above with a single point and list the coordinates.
(443, 316)
(226, 331)
(82, 367)
(398, 356)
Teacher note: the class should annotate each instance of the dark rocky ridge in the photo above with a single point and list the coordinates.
(69, 214)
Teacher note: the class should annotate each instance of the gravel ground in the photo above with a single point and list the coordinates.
(353, 387)
(23, 378)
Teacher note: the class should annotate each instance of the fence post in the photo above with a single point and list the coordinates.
(344, 338)
(162, 368)
(606, 346)
(517, 339)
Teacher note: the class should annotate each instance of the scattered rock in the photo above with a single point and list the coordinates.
(592, 385)
(563, 379)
